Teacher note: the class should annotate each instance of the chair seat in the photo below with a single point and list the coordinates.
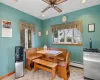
(62, 64)
(61, 58)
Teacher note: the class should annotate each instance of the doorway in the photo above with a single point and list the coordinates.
(26, 38)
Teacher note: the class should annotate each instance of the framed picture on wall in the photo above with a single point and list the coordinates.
(39, 34)
(46, 32)
(6, 28)
(91, 28)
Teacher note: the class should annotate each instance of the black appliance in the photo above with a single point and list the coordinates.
(90, 43)
(19, 53)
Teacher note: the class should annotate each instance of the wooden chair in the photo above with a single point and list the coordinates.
(64, 68)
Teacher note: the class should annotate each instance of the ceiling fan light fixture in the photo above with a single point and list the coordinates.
(83, 1)
(43, 15)
(15, 0)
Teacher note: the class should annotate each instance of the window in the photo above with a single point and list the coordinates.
(69, 35)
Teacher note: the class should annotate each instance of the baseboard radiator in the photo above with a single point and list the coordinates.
(76, 64)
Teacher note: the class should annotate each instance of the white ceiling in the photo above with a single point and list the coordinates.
(34, 7)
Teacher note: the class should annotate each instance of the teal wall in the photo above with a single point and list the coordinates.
(88, 16)
(7, 45)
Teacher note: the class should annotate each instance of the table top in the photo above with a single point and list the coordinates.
(49, 52)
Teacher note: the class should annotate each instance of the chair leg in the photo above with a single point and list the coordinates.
(65, 76)
(59, 71)
(68, 73)
(62, 72)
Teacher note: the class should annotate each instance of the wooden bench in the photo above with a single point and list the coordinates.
(45, 65)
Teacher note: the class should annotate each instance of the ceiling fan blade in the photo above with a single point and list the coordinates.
(58, 9)
(46, 9)
(47, 1)
(59, 1)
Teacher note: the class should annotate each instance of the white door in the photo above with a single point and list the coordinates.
(26, 38)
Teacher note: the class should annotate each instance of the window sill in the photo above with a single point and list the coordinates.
(67, 44)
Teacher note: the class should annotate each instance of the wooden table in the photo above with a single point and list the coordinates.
(50, 53)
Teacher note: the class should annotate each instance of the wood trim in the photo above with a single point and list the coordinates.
(67, 44)
(25, 25)
(6, 75)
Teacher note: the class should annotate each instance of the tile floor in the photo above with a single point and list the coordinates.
(76, 74)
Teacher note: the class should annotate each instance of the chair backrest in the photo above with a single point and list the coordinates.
(68, 64)
(68, 58)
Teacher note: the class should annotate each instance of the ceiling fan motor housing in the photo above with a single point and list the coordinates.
(53, 4)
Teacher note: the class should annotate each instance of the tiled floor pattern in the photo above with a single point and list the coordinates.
(76, 74)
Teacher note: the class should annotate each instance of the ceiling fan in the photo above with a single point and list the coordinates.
(53, 4)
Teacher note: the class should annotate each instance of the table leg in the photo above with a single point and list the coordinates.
(55, 59)
(35, 67)
(53, 73)
(43, 57)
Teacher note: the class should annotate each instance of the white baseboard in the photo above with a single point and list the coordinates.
(76, 64)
